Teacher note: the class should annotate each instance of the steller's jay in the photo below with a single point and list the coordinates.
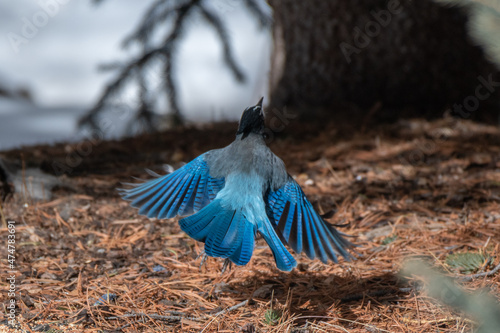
(233, 193)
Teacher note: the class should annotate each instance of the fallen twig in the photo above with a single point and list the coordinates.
(177, 317)
(478, 275)
(437, 321)
(154, 316)
(232, 308)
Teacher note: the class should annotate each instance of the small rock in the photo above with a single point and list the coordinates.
(41, 328)
(159, 268)
(263, 292)
(309, 182)
(106, 298)
(221, 287)
(248, 328)
(49, 276)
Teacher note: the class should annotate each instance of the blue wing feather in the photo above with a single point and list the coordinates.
(301, 227)
(182, 192)
(295, 237)
(308, 241)
(156, 203)
(200, 193)
(187, 206)
(316, 235)
(284, 260)
(141, 195)
(167, 209)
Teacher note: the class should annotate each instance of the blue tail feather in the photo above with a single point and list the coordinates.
(226, 232)
(198, 225)
(243, 253)
(224, 237)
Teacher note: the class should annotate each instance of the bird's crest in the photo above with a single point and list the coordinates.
(252, 120)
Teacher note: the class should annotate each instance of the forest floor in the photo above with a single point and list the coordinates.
(415, 189)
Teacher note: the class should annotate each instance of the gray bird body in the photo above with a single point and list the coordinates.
(247, 156)
(230, 195)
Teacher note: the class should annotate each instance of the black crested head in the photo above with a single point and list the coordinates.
(252, 120)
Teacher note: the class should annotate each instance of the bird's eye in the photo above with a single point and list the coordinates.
(265, 136)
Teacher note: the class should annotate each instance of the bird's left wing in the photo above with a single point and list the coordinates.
(301, 227)
(182, 192)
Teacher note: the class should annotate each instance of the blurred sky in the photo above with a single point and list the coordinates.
(59, 65)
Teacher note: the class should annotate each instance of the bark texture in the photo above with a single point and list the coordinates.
(409, 58)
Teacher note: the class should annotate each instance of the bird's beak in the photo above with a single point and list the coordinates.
(260, 102)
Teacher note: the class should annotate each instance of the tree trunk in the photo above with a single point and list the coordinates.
(407, 58)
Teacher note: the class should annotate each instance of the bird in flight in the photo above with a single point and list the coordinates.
(230, 195)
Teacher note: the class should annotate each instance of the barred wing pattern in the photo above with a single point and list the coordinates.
(301, 227)
(182, 192)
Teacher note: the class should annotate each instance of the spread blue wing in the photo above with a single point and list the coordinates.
(301, 227)
(182, 192)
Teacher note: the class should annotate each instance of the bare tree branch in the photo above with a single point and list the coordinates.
(221, 30)
(254, 9)
(173, 13)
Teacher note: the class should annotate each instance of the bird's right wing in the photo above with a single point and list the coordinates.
(301, 227)
(182, 192)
